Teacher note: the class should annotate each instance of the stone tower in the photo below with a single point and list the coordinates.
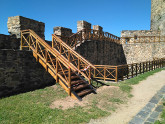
(158, 15)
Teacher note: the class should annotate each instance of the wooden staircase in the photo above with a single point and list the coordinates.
(66, 66)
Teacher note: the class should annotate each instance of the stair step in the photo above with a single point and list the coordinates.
(66, 73)
(84, 92)
(77, 82)
(81, 86)
(75, 77)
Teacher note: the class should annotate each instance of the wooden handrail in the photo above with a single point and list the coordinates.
(73, 51)
(115, 73)
(90, 34)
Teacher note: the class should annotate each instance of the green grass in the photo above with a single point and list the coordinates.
(34, 107)
(162, 116)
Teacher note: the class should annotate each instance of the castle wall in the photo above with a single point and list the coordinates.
(17, 23)
(158, 15)
(141, 52)
(136, 48)
(102, 52)
(19, 72)
(9, 42)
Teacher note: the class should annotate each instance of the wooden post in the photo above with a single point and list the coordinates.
(57, 66)
(69, 81)
(60, 48)
(46, 61)
(37, 59)
(78, 64)
(69, 55)
(132, 70)
(154, 64)
(94, 72)
(89, 74)
(140, 68)
(146, 67)
(127, 71)
(149, 66)
(136, 69)
(29, 41)
(116, 77)
(143, 67)
(122, 75)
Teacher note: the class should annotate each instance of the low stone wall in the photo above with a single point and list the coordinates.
(140, 52)
(19, 72)
(102, 52)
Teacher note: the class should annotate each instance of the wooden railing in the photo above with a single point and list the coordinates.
(105, 72)
(89, 34)
(58, 62)
(142, 39)
(82, 66)
(122, 72)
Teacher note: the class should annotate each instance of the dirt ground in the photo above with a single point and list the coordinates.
(142, 93)
(101, 99)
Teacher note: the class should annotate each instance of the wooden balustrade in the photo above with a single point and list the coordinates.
(89, 34)
(65, 65)
(121, 72)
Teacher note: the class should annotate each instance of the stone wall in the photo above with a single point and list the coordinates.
(17, 23)
(141, 52)
(102, 52)
(20, 73)
(62, 31)
(158, 15)
(9, 42)
(97, 27)
(131, 36)
(83, 25)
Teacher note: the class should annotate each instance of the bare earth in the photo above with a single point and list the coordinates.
(142, 93)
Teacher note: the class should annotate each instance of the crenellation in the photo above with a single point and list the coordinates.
(62, 31)
(83, 25)
(17, 23)
(98, 28)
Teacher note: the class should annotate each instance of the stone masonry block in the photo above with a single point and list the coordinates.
(62, 31)
(17, 23)
(83, 25)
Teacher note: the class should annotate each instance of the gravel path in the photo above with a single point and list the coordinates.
(142, 93)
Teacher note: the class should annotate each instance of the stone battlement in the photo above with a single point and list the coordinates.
(17, 23)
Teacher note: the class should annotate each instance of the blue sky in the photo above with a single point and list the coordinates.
(113, 15)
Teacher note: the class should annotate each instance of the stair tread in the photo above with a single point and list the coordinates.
(74, 77)
(81, 86)
(77, 81)
(84, 92)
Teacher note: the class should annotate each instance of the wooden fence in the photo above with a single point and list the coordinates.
(121, 72)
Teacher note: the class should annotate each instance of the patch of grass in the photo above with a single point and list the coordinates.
(116, 100)
(162, 117)
(33, 107)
